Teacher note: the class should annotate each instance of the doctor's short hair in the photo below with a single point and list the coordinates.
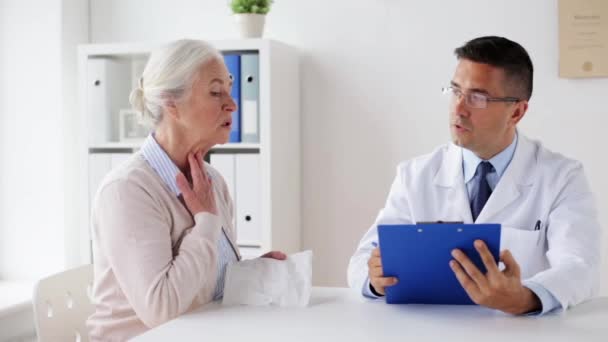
(505, 54)
(169, 75)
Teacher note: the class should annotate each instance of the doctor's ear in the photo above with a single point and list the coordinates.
(519, 110)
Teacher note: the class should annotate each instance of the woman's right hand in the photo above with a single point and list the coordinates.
(199, 198)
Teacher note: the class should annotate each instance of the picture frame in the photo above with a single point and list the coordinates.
(129, 126)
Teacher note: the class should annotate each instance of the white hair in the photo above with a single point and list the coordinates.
(169, 75)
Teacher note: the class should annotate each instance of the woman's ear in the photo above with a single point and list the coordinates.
(171, 109)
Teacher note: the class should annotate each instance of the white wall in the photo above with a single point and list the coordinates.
(74, 31)
(31, 224)
(371, 78)
(2, 121)
(38, 160)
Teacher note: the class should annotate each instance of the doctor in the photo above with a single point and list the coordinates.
(491, 173)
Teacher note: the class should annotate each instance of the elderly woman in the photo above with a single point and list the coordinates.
(163, 227)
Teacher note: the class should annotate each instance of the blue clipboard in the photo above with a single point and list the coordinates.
(419, 256)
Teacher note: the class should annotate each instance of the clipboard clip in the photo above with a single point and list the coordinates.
(440, 222)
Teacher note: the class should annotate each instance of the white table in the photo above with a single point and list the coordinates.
(338, 314)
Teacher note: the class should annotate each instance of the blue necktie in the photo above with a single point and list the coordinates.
(483, 189)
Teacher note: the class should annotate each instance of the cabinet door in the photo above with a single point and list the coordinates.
(248, 199)
(99, 165)
(250, 252)
(225, 165)
(119, 158)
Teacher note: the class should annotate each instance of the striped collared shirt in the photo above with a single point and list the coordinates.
(167, 170)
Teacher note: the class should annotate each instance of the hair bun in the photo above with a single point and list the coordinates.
(137, 100)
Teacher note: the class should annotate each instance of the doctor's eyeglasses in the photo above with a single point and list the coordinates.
(475, 99)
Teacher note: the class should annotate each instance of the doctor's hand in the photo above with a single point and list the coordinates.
(501, 290)
(376, 275)
(277, 255)
(198, 197)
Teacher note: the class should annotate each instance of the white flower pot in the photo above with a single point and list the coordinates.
(250, 25)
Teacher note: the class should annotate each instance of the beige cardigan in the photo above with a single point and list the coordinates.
(153, 261)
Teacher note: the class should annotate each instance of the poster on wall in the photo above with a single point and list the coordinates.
(583, 38)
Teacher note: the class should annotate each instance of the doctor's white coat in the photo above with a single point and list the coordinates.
(563, 256)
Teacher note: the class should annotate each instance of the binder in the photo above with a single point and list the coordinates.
(248, 199)
(233, 63)
(419, 256)
(108, 87)
(100, 125)
(250, 92)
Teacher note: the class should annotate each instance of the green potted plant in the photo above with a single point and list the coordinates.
(250, 16)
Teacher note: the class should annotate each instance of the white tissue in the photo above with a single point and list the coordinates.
(265, 281)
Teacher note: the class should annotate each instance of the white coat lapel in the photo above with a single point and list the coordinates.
(519, 174)
(450, 177)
